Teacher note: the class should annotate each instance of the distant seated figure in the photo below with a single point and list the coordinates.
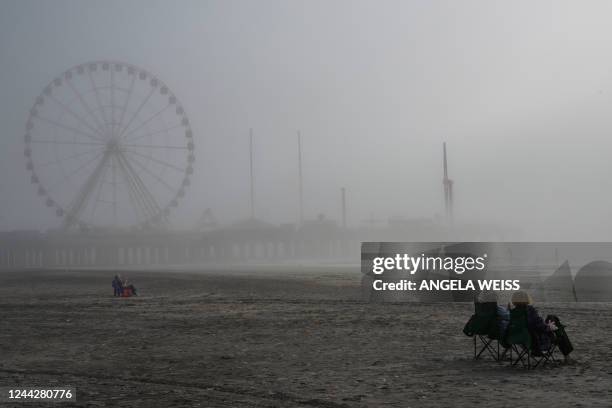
(117, 286)
(543, 332)
(129, 289)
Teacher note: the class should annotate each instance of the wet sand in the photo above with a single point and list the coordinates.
(288, 337)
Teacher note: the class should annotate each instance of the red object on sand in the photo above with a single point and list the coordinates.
(127, 292)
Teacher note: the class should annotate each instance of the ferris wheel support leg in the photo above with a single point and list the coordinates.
(139, 191)
(147, 196)
(84, 194)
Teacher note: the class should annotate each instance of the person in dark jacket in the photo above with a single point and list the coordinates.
(117, 286)
(542, 332)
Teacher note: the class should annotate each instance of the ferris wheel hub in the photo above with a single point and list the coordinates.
(113, 145)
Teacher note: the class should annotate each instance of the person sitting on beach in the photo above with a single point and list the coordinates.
(542, 332)
(503, 315)
(131, 289)
(117, 286)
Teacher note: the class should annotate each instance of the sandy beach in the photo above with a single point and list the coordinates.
(300, 337)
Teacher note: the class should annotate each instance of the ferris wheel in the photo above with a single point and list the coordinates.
(108, 144)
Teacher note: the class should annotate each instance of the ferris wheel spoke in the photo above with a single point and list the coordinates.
(164, 163)
(77, 117)
(114, 184)
(155, 176)
(112, 95)
(154, 133)
(155, 146)
(66, 127)
(63, 142)
(100, 105)
(85, 104)
(76, 171)
(142, 104)
(131, 132)
(127, 102)
(57, 161)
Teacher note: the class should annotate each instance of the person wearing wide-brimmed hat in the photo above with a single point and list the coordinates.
(538, 329)
(542, 332)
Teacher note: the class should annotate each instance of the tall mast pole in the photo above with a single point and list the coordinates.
(445, 179)
(448, 188)
(300, 180)
(343, 193)
(252, 177)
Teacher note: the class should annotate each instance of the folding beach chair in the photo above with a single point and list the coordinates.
(548, 356)
(520, 341)
(518, 337)
(483, 326)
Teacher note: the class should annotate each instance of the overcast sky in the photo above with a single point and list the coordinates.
(521, 92)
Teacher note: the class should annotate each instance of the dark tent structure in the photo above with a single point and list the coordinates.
(559, 287)
(593, 282)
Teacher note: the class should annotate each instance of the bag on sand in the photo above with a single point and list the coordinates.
(561, 338)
